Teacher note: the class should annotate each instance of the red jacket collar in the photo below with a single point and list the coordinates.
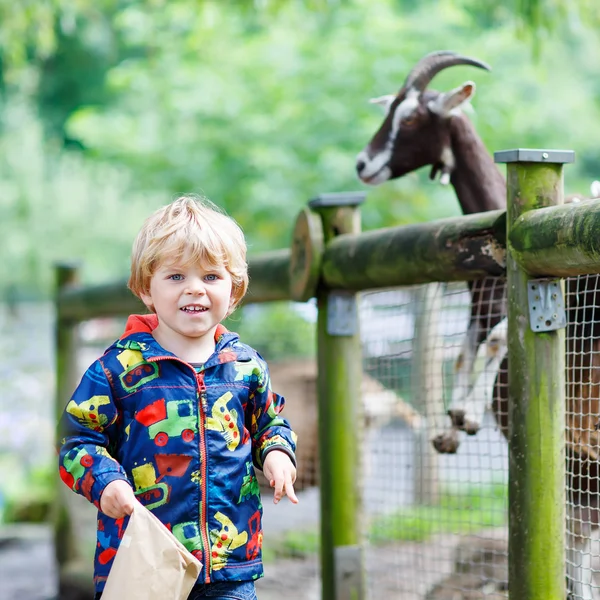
(148, 323)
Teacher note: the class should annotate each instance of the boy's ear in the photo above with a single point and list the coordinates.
(233, 304)
(147, 300)
(232, 299)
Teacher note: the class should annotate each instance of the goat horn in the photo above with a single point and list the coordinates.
(431, 64)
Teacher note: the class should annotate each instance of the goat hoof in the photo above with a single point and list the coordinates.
(446, 443)
(458, 418)
(470, 427)
(459, 422)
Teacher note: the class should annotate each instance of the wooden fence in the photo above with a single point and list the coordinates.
(331, 259)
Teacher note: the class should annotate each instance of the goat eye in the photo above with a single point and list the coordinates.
(408, 121)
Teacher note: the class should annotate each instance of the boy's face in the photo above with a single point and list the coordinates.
(190, 301)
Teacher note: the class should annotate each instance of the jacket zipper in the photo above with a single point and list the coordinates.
(202, 408)
(205, 542)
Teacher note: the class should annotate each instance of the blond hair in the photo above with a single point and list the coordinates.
(194, 230)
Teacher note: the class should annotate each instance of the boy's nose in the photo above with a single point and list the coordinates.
(195, 288)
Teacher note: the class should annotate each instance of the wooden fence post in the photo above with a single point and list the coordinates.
(341, 435)
(65, 543)
(536, 391)
(427, 385)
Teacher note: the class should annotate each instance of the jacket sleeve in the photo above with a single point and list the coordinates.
(87, 430)
(269, 430)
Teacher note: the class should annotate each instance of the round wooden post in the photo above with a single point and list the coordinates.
(427, 384)
(66, 276)
(536, 394)
(341, 420)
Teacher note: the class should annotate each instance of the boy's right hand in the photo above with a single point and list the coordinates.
(117, 499)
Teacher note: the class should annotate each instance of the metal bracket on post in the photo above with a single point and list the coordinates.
(546, 305)
(341, 313)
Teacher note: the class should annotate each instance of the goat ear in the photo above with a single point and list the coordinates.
(446, 104)
(384, 101)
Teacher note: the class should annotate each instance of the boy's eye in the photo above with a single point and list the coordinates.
(176, 277)
(211, 277)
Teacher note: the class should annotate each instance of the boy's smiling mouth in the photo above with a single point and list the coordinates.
(193, 308)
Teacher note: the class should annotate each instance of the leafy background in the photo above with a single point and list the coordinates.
(109, 109)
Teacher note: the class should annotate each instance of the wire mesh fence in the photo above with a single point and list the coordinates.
(436, 523)
(454, 543)
(582, 437)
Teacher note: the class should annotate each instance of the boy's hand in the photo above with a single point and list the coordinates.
(117, 499)
(281, 475)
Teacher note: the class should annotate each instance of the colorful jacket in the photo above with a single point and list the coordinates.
(187, 442)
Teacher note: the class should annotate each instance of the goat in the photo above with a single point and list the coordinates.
(425, 127)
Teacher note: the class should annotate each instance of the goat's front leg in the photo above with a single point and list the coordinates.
(467, 412)
(447, 441)
(490, 356)
(464, 411)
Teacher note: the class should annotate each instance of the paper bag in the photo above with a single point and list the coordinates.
(151, 564)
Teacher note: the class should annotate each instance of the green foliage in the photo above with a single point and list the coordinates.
(57, 206)
(26, 496)
(32, 28)
(153, 98)
(461, 511)
(261, 327)
(74, 74)
(294, 544)
(255, 125)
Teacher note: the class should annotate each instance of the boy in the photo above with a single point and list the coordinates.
(177, 411)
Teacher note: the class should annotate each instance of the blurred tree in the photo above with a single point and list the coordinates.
(253, 110)
(258, 117)
(31, 27)
(74, 74)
